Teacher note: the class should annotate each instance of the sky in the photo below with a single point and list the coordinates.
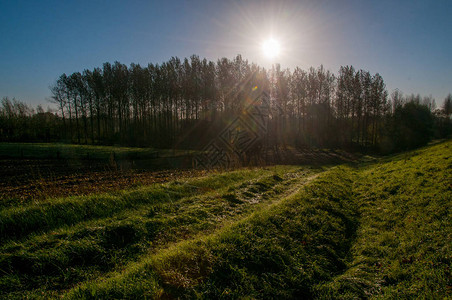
(409, 43)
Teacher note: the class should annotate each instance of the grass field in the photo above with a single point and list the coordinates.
(378, 229)
(81, 152)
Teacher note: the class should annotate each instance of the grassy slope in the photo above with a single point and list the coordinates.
(377, 231)
(403, 247)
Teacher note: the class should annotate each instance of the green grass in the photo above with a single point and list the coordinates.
(52, 245)
(280, 250)
(380, 230)
(403, 248)
(81, 152)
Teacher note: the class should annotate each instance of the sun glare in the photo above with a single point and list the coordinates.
(271, 48)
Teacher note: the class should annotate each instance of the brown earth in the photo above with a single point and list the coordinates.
(23, 180)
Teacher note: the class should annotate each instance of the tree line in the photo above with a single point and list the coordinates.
(174, 104)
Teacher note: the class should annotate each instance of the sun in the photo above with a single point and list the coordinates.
(271, 48)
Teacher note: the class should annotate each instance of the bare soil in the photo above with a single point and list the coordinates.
(23, 179)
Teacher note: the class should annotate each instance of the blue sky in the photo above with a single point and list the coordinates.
(408, 42)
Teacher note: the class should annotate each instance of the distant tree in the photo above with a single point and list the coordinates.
(429, 102)
(97, 86)
(298, 94)
(345, 104)
(447, 106)
(59, 97)
(411, 126)
(379, 105)
(366, 98)
(445, 117)
(397, 99)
